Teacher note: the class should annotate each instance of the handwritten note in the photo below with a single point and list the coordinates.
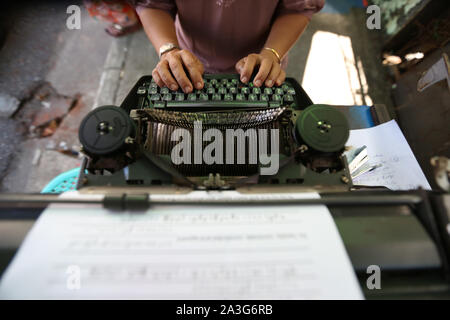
(190, 252)
(387, 146)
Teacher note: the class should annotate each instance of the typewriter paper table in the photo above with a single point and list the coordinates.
(173, 252)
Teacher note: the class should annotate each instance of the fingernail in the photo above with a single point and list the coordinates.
(258, 83)
(173, 87)
(244, 79)
(269, 83)
(199, 85)
(187, 89)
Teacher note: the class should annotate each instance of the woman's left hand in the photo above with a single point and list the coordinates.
(270, 71)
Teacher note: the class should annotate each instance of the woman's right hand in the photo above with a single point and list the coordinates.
(171, 71)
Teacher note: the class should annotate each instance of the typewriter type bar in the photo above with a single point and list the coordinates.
(216, 104)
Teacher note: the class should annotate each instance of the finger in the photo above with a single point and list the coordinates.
(195, 69)
(176, 66)
(281, 77)
(199, 64)
(247, 70)
(264, 70)
(240, 64)
(273, 75)
(157, 78)
(166, 76)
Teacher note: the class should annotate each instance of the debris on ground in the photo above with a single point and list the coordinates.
(8, 105)
(36, 157)
(62, 147)
(9, 138)
(42, 113)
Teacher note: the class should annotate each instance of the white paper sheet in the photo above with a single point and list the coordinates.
(387, 146)
(171, 252)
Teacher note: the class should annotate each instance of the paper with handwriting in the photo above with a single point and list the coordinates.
(387, 146)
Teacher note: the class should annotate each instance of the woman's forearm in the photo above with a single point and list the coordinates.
(285, 31)
(176, 68)
(159, 27)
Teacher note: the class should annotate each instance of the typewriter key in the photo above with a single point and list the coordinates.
(323, 128)
(105, 129)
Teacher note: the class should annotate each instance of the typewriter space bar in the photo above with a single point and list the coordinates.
(221, 104)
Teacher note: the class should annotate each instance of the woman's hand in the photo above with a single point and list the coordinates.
(270, 71)
(170, 71)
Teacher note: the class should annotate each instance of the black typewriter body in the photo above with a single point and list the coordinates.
(405, 234)
(140, 154)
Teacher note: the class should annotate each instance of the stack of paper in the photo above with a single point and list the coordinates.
(357, 159)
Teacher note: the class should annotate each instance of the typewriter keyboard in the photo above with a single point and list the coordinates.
(219, 91)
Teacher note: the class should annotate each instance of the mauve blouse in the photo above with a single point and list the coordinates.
(220, 32)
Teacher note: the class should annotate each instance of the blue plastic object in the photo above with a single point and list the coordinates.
(66, 181)
(360, 115)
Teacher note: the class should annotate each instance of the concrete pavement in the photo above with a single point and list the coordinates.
(40, 50)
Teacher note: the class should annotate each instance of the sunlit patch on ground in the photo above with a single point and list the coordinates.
(332, 74)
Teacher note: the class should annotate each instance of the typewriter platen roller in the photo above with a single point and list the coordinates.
(131, 145)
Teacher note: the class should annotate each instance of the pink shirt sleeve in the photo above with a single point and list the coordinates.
(167, 5)
(304, 7)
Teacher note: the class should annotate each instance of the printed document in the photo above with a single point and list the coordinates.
(183, 252)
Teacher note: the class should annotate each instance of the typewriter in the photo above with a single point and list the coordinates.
(129, 164)
(132, 145)
(129, 158)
